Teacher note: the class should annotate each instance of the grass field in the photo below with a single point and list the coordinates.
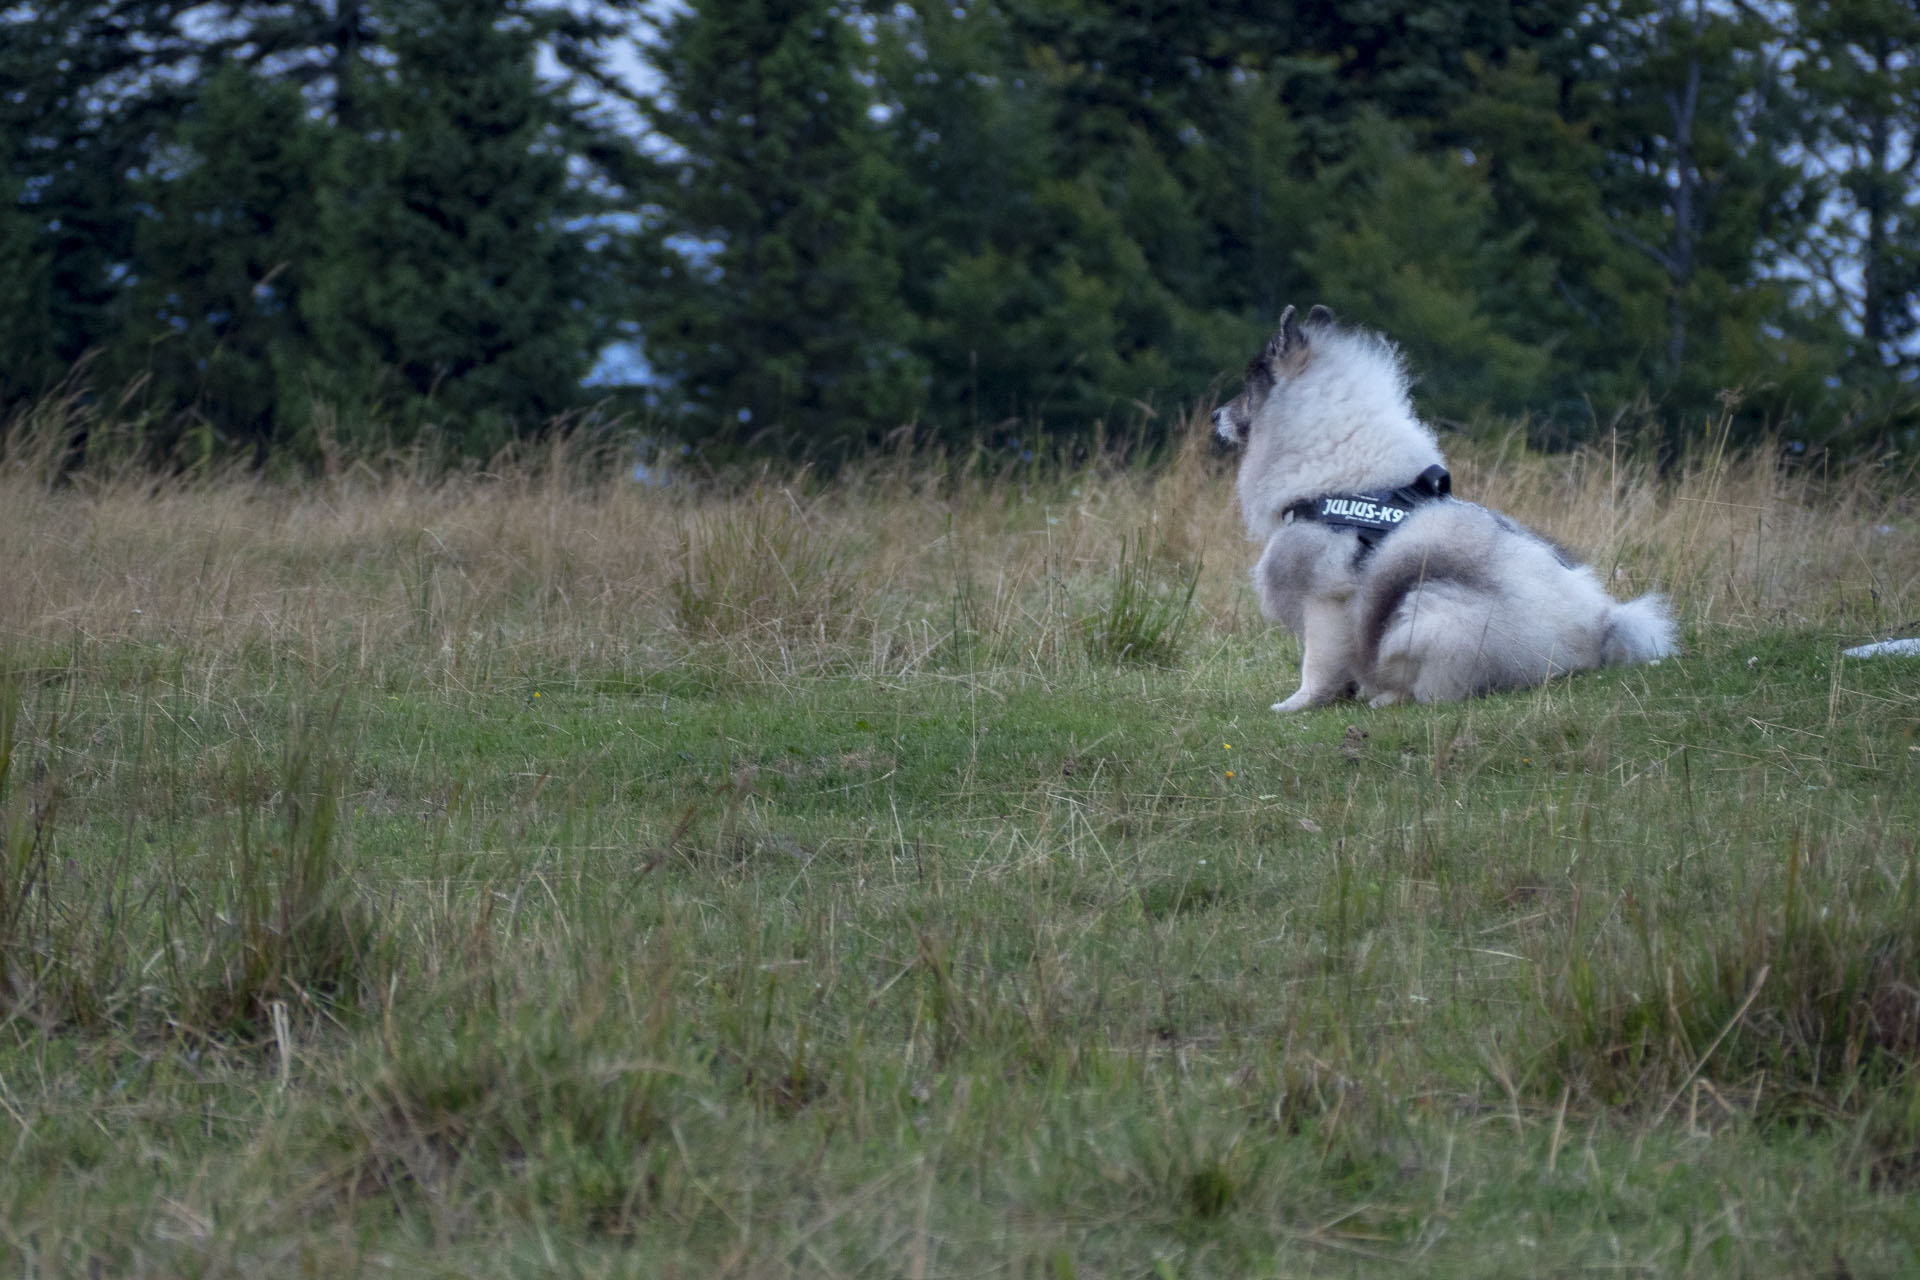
(536, 874)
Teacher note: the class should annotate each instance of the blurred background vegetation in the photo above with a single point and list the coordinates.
(268, 231)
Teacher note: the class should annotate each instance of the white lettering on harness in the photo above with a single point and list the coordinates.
(1348, 509)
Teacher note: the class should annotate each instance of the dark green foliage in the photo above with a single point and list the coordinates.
(216, 312)
(1569, 284)
(1409, 246)
(1860, 86)
(26, 297)
(1645, 182)
(1412, 62)
(319, 224)
(73, 140)
(266, 229)
(1082, 251)
(778, 316)
(451, 289)
(1686, 186)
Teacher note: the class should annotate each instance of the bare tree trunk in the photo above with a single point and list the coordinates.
(1682, 107)
(347, 35)
(1873, 282)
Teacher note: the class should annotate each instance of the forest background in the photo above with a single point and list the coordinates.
(267, 231)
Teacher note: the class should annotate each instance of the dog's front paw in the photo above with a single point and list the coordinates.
(1298, 702)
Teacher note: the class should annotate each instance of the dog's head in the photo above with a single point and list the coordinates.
(1285, 356)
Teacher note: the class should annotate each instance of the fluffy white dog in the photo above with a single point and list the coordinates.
(1397, 589)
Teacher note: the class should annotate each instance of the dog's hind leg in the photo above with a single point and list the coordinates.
(1326, 668)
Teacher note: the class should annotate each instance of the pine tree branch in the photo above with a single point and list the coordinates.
(1667, 263)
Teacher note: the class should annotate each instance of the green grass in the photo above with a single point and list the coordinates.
(1038, 966)
(526, 874)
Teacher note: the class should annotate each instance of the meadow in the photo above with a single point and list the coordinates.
(531, 872)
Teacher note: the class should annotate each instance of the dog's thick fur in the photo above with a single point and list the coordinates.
(1457, 600)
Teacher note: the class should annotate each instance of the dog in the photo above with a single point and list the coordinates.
(1398, 590)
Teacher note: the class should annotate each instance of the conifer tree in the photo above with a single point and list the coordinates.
(1571, 285)
(27, 362)
(1694, 182)
(1065, 252)
(777, 315)
(214, 314)
(1860, 76)
(1643, 185)
(91, 90)
(965, 214)
(1407, 243)
(453, 285)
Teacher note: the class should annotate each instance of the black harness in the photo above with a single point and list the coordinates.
(1375, 514)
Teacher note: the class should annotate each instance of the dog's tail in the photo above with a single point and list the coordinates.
(1639, 631)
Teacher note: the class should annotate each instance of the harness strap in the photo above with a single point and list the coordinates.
(1374, 514)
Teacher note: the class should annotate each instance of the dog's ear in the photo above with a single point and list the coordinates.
(1286, 340)
(1282, 337)
(1320, 316)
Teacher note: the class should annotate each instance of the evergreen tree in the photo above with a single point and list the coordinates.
(1695, 181)
(1859, 72)
(969, 150)
(91, 90)
(1644, 187)
(777, 314)
(1408, 245)
(1413, 62)
(996, 211)
(1156, 68)
(318, 46)
(1047, 294)
(28, 365)
(1225, 142)
(454, 282)
(1572, 286)
(1256, 183)
(215, 310)
(371, 201)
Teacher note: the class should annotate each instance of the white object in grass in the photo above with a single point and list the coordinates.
(1907, 648)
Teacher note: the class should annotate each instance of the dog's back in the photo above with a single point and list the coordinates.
(1462, 601)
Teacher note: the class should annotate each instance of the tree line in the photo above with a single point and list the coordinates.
(268, 229)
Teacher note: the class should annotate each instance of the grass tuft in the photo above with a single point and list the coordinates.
(281, 922)
(1804, 1000)
(205, 945)
(557, 1098)
(758, 568)
(1148, 607)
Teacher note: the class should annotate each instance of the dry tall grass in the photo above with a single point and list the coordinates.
(559, 561)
